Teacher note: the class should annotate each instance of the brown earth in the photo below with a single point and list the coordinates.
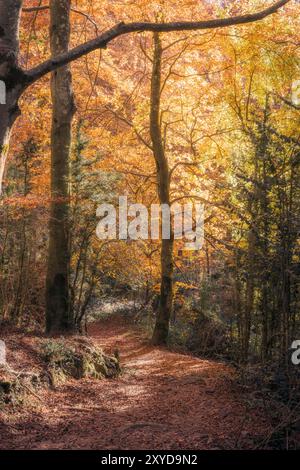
(162, 400)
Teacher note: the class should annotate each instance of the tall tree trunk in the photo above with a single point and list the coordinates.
(161, 330)
(12, 77)
(59, 317)
(249, 300)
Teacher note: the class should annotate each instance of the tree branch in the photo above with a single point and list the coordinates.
(121, 29)
(289, 103)
(130, 124)
(74, 10)
(35, 9)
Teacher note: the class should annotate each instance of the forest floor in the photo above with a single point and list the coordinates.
(162, 400)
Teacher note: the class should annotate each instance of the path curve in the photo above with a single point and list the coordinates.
(162, 400)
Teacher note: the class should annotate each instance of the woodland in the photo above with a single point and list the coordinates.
(143, 344)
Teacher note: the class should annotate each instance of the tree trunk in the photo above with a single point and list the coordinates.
(249, 300)
(11, 76)
(161, 330)
(59, 317)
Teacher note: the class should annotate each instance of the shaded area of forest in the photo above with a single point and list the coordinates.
(162, 400)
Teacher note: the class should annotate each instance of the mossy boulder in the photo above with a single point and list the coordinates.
(77, 358)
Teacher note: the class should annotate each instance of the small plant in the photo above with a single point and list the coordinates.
(54, 351)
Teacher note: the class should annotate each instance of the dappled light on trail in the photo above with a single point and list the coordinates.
(162, 400)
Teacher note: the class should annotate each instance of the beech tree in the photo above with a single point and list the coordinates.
(17, 80)
(161, 329)
(59, 316)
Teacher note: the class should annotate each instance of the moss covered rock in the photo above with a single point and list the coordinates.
(77, 358)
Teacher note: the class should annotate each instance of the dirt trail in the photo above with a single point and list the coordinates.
(163, 400)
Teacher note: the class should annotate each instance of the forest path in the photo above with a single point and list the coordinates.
(162, 400)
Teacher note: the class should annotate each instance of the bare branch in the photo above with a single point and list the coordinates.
(289, 103)
(35, 9)
(121, 29)
(178, 164)
(74, 10)
(130, 124)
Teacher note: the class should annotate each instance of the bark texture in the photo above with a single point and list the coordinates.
(59, 317)
(11, 75)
